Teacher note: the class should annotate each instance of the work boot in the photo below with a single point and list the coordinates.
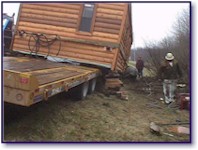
(172, 100)
(167, 101)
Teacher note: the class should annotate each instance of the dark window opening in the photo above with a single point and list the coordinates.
(87, 16)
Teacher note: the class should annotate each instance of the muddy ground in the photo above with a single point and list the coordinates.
(97, 118)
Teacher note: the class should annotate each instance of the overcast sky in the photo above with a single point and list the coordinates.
(151, 21)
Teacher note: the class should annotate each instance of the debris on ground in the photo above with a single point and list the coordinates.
(155, 129)
(161, 99)
(179, 130)
(181, 85)
(123, 95)
(183, 99)
(153, 105)
(168, 134)
(174, 123)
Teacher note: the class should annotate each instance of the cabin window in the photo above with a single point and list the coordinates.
(86, 19)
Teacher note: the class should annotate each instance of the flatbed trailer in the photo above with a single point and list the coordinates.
(30, 80)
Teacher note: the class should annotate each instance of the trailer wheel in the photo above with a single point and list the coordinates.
(82, 91)
(92, 86)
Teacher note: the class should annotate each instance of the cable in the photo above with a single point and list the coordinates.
(41, 40)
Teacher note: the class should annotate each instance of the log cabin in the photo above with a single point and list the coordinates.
(91, 33)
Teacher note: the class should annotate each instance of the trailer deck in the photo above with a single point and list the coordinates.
(30, 80)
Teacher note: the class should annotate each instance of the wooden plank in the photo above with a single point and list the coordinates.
(52, 8)
(55, 48)
(95, 62)
(64, 54)
(123, 22)
(107, 25)
(49, 13)
(67, 44)
(67, 54)
(106, 35)
(48, 27)
(73, 37)
(106, 30)
(115, 58)
(93, 18)
(117, 4)
(52, 77)
(110, 6)
(46, 22)
(80, 17)
(90, 53)
(88, 47)
(109, 21)
(120, 65)
(48, 18)
(78, 40)
(126, 41)
(42, 70)
(86, 57)
(113, 83)
(30, 65)
(61, 5)
(110, 11)
(103, 15)
(49, 71)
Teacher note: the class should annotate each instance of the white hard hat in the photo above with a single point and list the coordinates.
(169, 56)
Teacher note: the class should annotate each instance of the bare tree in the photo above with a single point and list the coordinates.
(182, 41)
(178, 44)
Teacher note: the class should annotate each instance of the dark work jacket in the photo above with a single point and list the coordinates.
(140, 64)
(170, 72)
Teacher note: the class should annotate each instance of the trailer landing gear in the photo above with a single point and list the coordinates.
(82, 90)
(92, 86)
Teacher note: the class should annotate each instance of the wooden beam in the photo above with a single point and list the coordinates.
(48, 18)
(102, 15)
(46, 22)
(107, 25)
(109, 21)
(106, 35)
(72, 36)
(49, 13)
(93, 18)
(52, 8)
(114, 62)
(110, 6)
(110, 11)
(105, 30)
(123, 22)
(61, 5)
(43, 26)
(79, 18)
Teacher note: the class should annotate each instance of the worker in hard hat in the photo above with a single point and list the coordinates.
(169, 72)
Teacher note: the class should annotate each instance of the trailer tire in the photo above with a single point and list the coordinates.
(82, 90)
(92, 86)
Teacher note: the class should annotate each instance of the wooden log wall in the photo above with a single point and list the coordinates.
(63, 20)
(76, 51)
(125, 43)
(126, 39)
(121, 64)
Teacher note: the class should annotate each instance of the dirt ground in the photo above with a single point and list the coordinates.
(98, 118)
